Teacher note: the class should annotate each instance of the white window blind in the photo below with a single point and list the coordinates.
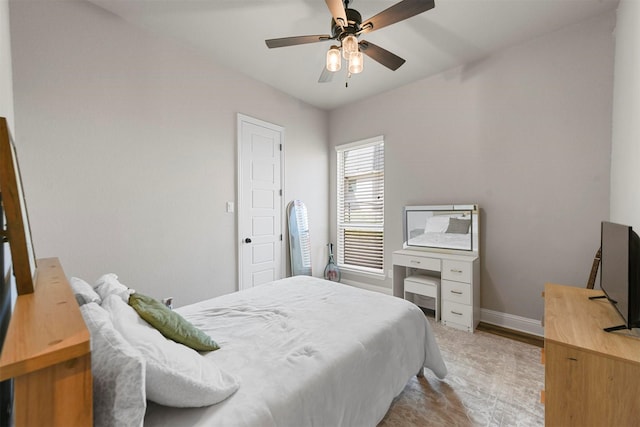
(361, 205)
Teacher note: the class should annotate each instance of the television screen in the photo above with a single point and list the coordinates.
(619, 280)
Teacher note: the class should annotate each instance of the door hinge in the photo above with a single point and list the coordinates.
(280, 147)
(281, 237)
(280, 192)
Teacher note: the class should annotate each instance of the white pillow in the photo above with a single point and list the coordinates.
(108, 284)
(436, 224)
(176, 374)
(83, 291)
(119, 397)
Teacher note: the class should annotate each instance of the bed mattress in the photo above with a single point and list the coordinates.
(308, 352)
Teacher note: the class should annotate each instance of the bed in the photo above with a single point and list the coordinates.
(294, 352)
(309, 352)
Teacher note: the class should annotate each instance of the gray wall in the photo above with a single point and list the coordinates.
(124, 135)
(526, 134)
(128, 151)
(625, 153)
(6, 82)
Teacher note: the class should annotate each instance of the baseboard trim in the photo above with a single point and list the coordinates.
(367, 286)
(511, 321)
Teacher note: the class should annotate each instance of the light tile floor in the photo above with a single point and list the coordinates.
(492, 381)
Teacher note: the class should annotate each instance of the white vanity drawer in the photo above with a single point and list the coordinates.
(455, 291)
(423, 263)
(454, 314)
(460, 271)
(422, 285)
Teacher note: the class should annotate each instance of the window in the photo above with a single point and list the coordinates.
(361, 205)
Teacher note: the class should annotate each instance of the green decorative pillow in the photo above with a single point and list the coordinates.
(171, 324)
(458, 226)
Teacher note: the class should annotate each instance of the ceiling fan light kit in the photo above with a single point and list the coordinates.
(346, 26)
(349, 46)
(356, 63)
(333, 59)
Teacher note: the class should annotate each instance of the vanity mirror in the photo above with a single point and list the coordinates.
(442, 227)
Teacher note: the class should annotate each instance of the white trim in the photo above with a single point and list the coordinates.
(362, 272)
(511, 321)
(361, 285)
(340, 200)
(361, 144)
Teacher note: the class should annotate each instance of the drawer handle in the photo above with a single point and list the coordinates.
(455, 312)
(456, 292)
(413, 261)
(453, 270)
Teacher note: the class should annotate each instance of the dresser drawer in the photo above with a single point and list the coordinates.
(456, 292)
(423, 263)
(457, 314)
(459, 271)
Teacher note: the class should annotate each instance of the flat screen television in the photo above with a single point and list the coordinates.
(448, 228)
(620, 272)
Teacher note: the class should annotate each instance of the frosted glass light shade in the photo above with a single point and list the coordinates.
(356, 63)
(334, 63)
(349, 46)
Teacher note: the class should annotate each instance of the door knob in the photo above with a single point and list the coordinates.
(247, 240)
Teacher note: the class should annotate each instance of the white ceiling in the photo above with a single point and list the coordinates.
(455, 32)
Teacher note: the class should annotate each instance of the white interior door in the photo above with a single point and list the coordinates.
(260, 146)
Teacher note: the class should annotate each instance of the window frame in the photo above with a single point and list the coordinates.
(375, 226)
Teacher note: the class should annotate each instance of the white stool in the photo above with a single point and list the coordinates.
(427, 286)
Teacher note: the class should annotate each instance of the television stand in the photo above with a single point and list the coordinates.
(615, 328)
(610, 328)
(592, 378)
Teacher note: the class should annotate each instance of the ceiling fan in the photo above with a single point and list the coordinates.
(347, 25)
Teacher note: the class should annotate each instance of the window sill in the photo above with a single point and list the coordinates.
(356, 271)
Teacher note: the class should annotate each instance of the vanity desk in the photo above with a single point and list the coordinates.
(456, 278)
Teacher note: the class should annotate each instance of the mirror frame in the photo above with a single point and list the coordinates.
(17, 229)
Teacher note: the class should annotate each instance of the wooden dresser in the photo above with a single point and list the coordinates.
(592, 377)
(47, 347)
(47, 352)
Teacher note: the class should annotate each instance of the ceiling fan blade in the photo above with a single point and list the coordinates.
(326, 76)
(396, 13)
(383, 56)
(293, 41)
(337, 11)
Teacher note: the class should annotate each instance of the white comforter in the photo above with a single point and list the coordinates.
(308, 352)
